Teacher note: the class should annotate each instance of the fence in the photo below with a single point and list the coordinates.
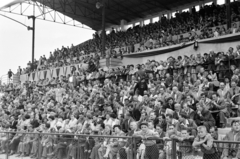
(188, 72)
(77, 146)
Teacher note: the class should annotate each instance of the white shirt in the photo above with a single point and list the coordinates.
(72, 123)
(140, 98)
(216, 34)
(108, 122)
(53, 124)
(115, 122)
(59, 92)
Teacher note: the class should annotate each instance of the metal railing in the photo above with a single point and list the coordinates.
(79, 146)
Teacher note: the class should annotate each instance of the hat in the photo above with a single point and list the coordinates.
(143, 123)
(118, 126)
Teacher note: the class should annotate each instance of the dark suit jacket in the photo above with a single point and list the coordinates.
(14, 124)
(159, 112)
(169, 106)
(136, 114)
(126, 125)
(190, 113)
(206, 119)
(220, 105)
(190, 126)
(175, 115)
(163, 125)
(177, 97)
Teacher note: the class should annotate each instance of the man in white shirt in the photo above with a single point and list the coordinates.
(216, 32)
(59, 93)
(72, 122)
(222, 91)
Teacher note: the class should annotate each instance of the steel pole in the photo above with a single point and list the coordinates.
(228, 8)
(33, 39)
(103, 28)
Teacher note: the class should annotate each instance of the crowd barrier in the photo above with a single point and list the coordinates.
(52, 72)
(111, 63)
(183, 73)
(77, 146)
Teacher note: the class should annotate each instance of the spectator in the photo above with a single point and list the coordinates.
(231, 150)
(10, 73)
(187, 124)
(151, 147)
(205, 141)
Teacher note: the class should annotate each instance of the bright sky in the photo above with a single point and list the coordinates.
(16, 40)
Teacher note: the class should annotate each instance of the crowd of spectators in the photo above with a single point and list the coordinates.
(60, 58)
(161, 33)
(185, 98)
(182, 98)
(155, 35)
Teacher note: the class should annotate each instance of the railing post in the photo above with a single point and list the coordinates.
(7, 149)
(78, 147)
(133, 147)
(174, 149)
(38, 153)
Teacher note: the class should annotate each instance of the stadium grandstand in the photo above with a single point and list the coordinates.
(162, 83)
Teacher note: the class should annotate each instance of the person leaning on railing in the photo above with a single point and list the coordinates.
(205, 141)
(151, 150)
(231, 150)
(115, 144)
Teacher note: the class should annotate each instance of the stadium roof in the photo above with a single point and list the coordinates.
(85, 11)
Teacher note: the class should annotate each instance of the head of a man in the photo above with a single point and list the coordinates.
(169, 118)
(144, 127)
(235, 125)
(152, 116)
(184, 133)
(133, 126)
(182, 117)
(177, 107)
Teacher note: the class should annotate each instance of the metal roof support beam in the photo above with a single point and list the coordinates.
(39, 15)
(72, 14)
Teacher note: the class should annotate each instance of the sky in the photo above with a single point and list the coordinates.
(16, 40)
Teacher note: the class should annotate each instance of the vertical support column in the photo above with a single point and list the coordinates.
(103, 28)
(228, 14)
(151, 19)
(33, 39)
(33, 36)
(141, 23)
(123, 25)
